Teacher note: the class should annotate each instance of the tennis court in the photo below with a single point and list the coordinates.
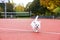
(20, 29)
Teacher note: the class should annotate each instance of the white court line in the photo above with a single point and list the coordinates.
(10, 29)
(7, 29)
(51, 32)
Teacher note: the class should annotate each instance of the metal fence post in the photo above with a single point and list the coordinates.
(5, 11)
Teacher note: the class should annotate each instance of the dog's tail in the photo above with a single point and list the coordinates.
(36, 18)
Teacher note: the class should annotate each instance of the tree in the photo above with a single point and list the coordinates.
(57, 11)
(9, 7)
(27, 8)
(19, 8)
(1, 7)
(50, 4)
(36, 8)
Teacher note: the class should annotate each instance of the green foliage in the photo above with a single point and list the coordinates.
(9, 7)
(52, 5)
(48, 13)
(36, 8)
(57, 11)
(19, 8)
(1, 7)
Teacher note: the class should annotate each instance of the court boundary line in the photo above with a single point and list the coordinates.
(51, 32)
(12, 29)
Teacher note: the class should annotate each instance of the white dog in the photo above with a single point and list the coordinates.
(36, 24)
